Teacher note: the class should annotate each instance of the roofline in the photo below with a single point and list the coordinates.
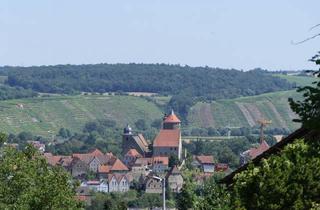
(301, 132)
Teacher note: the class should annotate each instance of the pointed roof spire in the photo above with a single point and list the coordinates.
(172, 118)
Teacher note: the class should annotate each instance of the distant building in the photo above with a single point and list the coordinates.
(175, 179)
(96, 186)
(141, 167)
(131, 157)
(221, 167)
(204, 162)
(118, 182)
(153, 185)
(160, 164)
(39, 146)
(132, 141)
(252, 153)
(168, 141)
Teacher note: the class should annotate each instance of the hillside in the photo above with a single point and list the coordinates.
(245, 111)
(46, 115)
(195, 82)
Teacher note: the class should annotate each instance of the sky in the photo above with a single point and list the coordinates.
(236, 34)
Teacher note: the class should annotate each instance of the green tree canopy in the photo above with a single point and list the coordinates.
(309, 109)
(27, 182)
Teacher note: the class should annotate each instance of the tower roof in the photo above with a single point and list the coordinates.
(172, 118)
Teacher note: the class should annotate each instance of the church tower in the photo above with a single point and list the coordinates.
(171, 122)
(134, 141)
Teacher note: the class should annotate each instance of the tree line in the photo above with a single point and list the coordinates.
(204, 82)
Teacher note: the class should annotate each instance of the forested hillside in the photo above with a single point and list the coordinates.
(201, 82)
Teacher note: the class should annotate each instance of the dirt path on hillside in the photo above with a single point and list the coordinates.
(206, 116)
(246, 113)
(277, 114)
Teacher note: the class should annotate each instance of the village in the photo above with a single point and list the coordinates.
(144, 166)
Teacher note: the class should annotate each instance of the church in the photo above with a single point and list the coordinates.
(167, 142)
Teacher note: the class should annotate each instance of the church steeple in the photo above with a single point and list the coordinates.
(171, 121)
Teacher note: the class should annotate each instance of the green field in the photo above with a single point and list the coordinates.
(46, 115)
(245, 111)
(299, 80)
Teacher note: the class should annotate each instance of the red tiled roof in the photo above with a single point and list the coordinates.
(143, 162)
(133, 153)
(221, 167)
(96, 152)
(205, 159)
(119, 166)
(254, 152)
(53, 160)
(83, 157)
(167, 138)
(104, 169)
(172, 118)
(162, 160)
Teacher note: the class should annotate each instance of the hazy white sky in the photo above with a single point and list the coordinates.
(230, 34)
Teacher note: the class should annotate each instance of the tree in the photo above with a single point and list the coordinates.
(27, 182)
(187, 198)
(309, 109)
(141, 124)
(290, 180)
(173, 160)
(215, 197)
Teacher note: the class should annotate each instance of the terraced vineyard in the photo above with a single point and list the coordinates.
(245, 111)
(46, 115)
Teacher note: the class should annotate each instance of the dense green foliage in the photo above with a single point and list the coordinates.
(132, 199)
(158, 78)
(290, 180)
(7, 92)
(309, 109)
(27, 182)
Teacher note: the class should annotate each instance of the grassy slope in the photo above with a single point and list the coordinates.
(44, 116)
(299, 80)
(228, 113)
(273, 106)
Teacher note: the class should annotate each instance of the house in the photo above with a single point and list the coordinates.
(119, 167)
(132, 141)
(204, 162)
(96, 186)
(141, 167)
(78, 167)
(302, 133)
(252, 153)
(39, 146)
(152, 185)
(175, 179)
(61, 160)
(118, 182)
(168, 141)
(103, 171)
(93, 160)
(130, 158)
(221, 167)
(160, 164)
